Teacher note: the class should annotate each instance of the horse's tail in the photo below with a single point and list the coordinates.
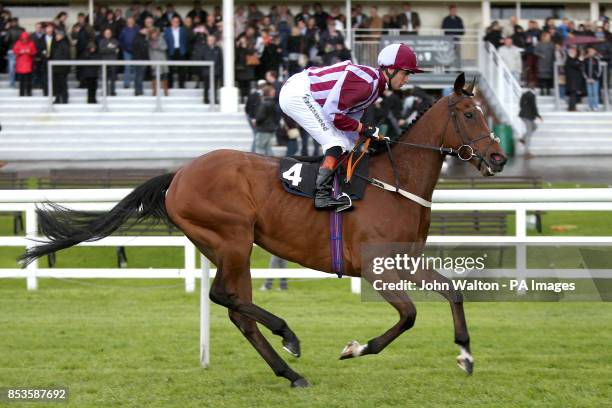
(65, 228)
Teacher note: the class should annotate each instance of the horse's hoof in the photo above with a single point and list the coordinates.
(352, 349)
(300, 383)
(466, 364)
(292, 347)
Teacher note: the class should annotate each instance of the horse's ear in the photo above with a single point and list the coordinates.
(470, 89)
(459, 84)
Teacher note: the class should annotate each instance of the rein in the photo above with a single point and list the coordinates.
(465, 153)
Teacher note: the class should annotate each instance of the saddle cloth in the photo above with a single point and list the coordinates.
(298, 176)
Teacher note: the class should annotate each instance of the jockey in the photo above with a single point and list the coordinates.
(329, 101)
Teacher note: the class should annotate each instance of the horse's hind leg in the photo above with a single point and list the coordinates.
(232, 288)
(407, 311)
(455, 299)
(249, 329)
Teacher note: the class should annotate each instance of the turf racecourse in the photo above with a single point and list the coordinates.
(134, 343)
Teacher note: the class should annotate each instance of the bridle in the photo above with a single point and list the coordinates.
(466, 151)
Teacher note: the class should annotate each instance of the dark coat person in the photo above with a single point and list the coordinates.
(60, 50)
(574, 81)
(140, 50)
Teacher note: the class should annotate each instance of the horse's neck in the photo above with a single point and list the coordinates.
(418, 169)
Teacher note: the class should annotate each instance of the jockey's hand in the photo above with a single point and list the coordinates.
(373, 132)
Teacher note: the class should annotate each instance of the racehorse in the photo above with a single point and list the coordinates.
(225, 201)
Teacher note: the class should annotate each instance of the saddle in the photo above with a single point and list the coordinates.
(298, 176)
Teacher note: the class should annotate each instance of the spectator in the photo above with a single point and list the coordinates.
(84, 35)
(45, 45)
(111, 23)
(374, 23)
(311, 37)
(508, 27)
(126, 39)
(24, 51)
(250, 108)
(109, 51)
(245, 73)
(197, 11)
(494, 34)
(563, 28)
(60, 23)
(140, 47)
(389, 22)
(254, 15)
(453, 24)
(519, 37)
(296, 54)
(293, 133)
(545, 51)
(60, 50)
(532, 38)
(358, 17)
(157, 52)
(13, 33)
(573, 78)
(210, 51)
(89, 74)
(409, 21)
(176, 39)
(265, 121)
(240, 20)
(320, 17)
(275, 263)
(148, 12)
(592, 71)
(560, 57)
(303, 15)
(511, 55)
(37, 74)
(211, 25)
(528, 114)
(169, 15)
(328, 41)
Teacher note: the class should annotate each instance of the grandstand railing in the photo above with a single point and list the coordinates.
(521, 201)
(604, 90)
(156, 64)
(504, 90)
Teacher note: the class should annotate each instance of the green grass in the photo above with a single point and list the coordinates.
(133, 343)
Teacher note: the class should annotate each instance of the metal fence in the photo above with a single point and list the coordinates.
(156, 65)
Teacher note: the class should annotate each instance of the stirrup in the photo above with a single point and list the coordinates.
(344, 207)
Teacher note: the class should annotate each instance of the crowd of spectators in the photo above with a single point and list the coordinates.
(576, 51)
(278, 41)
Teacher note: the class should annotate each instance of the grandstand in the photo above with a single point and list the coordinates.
(129, 128)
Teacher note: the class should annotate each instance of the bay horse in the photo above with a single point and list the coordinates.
(226, 201)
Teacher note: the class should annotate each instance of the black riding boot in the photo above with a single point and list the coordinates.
(323, 192)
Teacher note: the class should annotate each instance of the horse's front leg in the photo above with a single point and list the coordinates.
(407, 312)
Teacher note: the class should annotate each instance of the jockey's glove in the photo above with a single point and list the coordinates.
(373, 132)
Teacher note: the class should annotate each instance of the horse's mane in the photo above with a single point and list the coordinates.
(377, 148)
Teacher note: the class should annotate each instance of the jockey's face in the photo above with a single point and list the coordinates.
(399, 80)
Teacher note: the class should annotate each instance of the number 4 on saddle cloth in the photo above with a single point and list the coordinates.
(298, 176)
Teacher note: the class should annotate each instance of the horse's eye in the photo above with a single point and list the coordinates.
(468, 115)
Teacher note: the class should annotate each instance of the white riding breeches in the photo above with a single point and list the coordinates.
(297, 102)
